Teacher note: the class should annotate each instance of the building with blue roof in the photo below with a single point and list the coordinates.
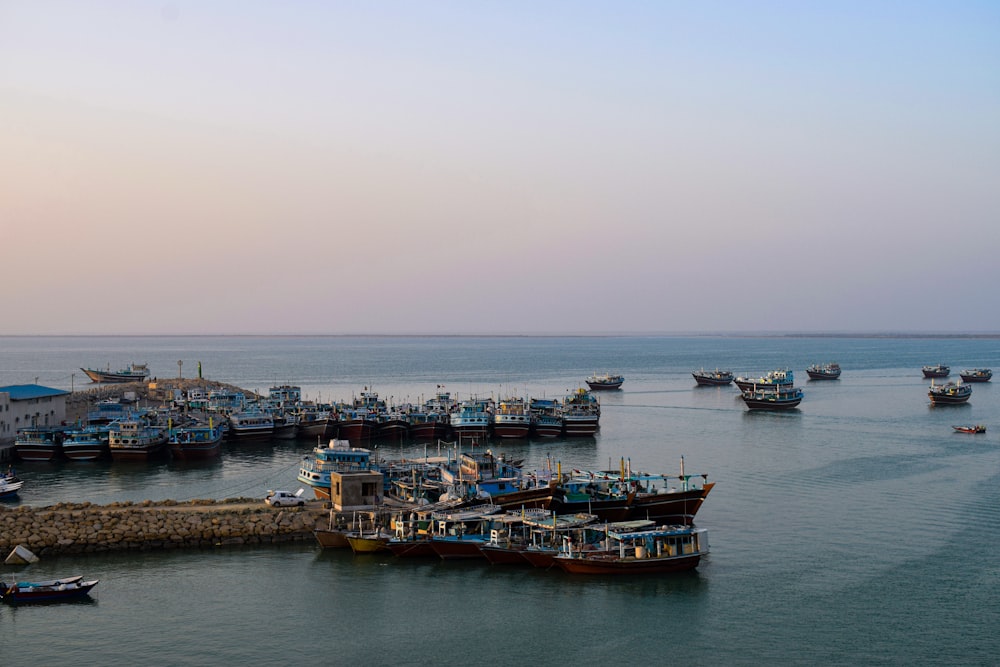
(24, 405)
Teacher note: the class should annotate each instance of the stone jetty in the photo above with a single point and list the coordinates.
(68, 528)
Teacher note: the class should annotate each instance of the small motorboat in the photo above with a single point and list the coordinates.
(46, 591)
(10, 484)
(974, 428)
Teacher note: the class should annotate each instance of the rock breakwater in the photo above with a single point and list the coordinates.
(68, 528)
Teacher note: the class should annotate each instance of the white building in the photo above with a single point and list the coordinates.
(23, 405)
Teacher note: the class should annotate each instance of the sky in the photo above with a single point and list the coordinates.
(468, 167)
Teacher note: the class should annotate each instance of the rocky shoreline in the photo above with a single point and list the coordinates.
(68, 528)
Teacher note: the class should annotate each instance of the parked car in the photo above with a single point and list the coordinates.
(285, 499)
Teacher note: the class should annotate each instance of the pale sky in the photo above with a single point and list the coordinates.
(498, 167)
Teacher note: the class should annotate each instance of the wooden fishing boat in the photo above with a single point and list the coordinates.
(458, 533)
(976, 375)
(772, 398)
(778, 379)
(196, 442)
(663, 549)
(605, 381)
(950, 393)
(716, 378)
(39, 443)
(87, 443)
(936, 371)
(131, 373)
(46, 591)
(368, 543)
(828, 371)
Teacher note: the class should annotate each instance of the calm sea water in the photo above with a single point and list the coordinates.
(859, 529)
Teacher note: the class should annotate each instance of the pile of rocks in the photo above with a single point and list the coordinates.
(68, 528)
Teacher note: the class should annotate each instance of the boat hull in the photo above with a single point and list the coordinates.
(612, 564)
(579, 427)
(712, 381)
(412, 548)
(552, 429)
(148, 452)
(196, 451)
(602, 386)
(88, 452)
(455, 549)
(678, 508)
(356, 430)
(331, 538)
(429, 431)
(368, 545)
(949, 400)
(823, 375)
(511, 429)
(395, 430)
(104, 377)
(500, 555)
(758, 404)
(37, 452)
(56, 593)
(540, 557)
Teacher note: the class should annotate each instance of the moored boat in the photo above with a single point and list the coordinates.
(10, 485)
(662, 549)
(472, 419)
(136, 439)
(973, 428)
(512, 418)
(976, 375)
(581, 414)
(936, 371)
(950, 393)
(772, 398)
(777, 378)
(829, 371)
(457, 534)
(605, 381)
(391, 426)
(337, 456)
(39, 443)
(716, 378)
(369, 543)
(546, 417)
(196, 442)
(131, 373)
(88, 443)
(46, 591)
(251, 425)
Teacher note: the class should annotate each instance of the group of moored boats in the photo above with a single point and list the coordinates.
(776, 389)
(601, 522)
(196, 423)
(577, 543)
(953, 393)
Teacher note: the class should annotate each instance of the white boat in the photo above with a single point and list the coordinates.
(9, 486)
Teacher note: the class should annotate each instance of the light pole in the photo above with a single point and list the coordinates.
(72, 380)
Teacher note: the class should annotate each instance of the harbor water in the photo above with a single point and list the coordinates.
(858, 529)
